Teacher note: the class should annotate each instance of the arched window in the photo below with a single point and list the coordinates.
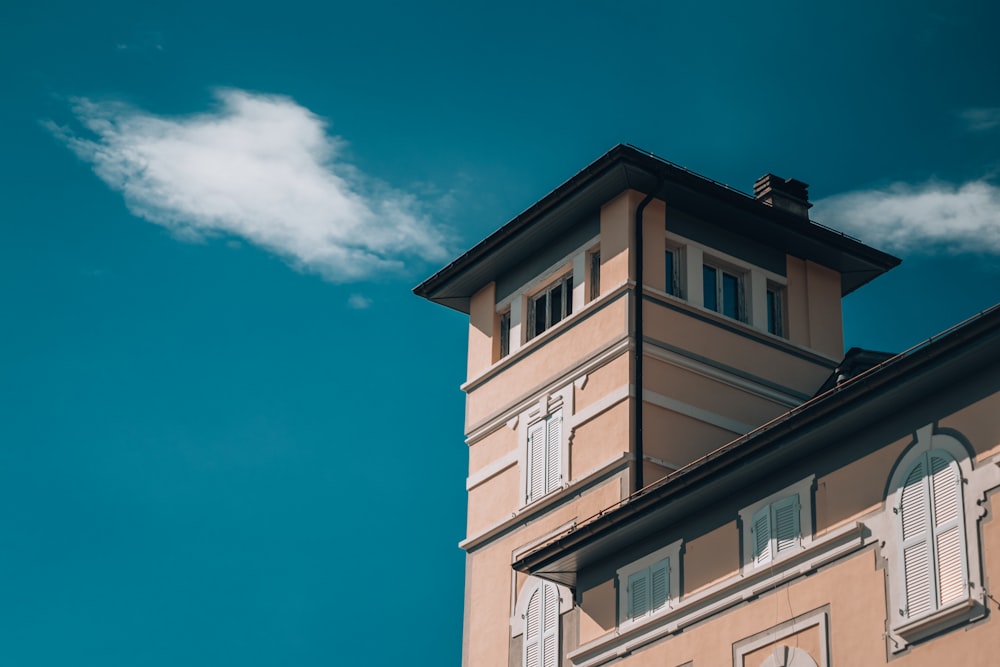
(931, 535)
(540, 618)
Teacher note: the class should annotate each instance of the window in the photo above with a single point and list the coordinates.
(541, 626)
(775, 310)
(649, 584)
(544, 460)
(673, 271)
(775, 530)
(931, 534)
(504, 334)
(595, 274)
(724, 292)
(777, 526)
(550, 306)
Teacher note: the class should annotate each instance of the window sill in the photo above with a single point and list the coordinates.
(913, 631)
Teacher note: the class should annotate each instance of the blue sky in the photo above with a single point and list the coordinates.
(213, 214)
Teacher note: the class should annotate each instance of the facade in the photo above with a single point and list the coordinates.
(671, 460)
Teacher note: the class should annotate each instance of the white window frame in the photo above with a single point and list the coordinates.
(518, 622)
(667, 558)
(725, 269)
(565, 285)
(550, 411)
(906, 628)
(676, 278)
(798, 494)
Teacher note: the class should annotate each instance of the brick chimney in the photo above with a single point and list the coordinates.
(789, 194)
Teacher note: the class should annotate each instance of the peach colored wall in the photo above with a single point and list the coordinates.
(608, 378)
(826, 325)
(737, 351)
(617, 235)
(709, 394)
(979, 423)
(856, 488)
(578, 340)
(599, 440)
(654, 264)
(482, 317)
(494, 446)
(678, 439)
(488, 570)
(710, 557)
(809, 640)
(493, 501)
(797, 295)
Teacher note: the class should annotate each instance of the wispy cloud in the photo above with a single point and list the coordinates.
(261, 168)
(359, 302)
(981, 119)
(931, 218)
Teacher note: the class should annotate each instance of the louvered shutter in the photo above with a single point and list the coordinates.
(659, 584)
(949, 534)
(761, 535)
(786, 524)
(536, 462)
(533, 631)
(553, 452)
(638, 594)
(550, 626)
(914, 525)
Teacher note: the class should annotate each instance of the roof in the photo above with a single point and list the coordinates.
(625, 167)
(965, 351)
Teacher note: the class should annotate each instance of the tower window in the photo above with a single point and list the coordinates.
(724, 292)
(550, 306)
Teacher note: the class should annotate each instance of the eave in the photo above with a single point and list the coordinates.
(625, 167)
(961, 352)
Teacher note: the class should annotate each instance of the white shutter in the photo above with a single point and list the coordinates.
(914, 515)
(786, 524)
(659, 584)
(638, 594)
(949, 547)
(533, 631)
(550, 626)
(553, 452)
(536, 462)
(761, 535)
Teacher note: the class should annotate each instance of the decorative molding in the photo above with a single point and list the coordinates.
(702, 415)
(581, 381)
(818, 617)
(490, 471)
(729, 592)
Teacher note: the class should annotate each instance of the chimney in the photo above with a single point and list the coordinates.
(789, 194)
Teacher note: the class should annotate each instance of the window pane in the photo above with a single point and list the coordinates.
(569, 295)
(730, 295)
(708, 278)
(595, 275)
(555, 304)
(540, 324)
(772, 313)
(505, 334)
(671, 283)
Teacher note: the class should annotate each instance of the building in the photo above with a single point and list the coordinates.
(692, 472)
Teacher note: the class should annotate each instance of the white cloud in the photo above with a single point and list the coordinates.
(261, 168)
(359, 302)
(928, 219)
(981, 119)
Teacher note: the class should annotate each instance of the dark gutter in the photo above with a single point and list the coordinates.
(637, 308)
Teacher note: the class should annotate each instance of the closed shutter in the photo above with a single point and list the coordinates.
(761, 535)
(550, 626)
(949, 534)
(536, 462)
(553, 452)
(659, 584)
(533, 631)
(786, 524)
(638, 594)
(914, 514)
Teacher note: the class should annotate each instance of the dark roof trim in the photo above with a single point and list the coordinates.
(978, 336)
(626, 167)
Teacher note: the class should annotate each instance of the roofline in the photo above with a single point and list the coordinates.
(656, 168)
(720, 462)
